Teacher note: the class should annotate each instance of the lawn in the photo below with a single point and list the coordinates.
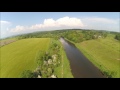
(20, 55)
(104, 53)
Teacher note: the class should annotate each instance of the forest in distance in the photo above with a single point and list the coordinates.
(42, 55)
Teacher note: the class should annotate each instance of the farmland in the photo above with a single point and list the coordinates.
(104, 53)
(20, 55)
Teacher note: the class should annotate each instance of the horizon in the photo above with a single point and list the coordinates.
(15, 23)
(53, 30)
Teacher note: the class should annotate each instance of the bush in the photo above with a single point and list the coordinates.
(117, 37)
(40, 58)
(109, 74)
(27, 74)
(49, 72)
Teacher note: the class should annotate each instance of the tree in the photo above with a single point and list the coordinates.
(117, 36)
(105, 35)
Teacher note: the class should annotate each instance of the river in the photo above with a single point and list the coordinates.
(81, 67)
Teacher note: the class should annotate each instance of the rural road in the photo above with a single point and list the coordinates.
(81, 67)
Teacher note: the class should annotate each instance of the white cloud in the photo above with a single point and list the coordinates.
(49, 23)
(101, 20)
(98, 23)
(5, 23)
(18, 28)
(101, 23)
(69, 22)
(4, 28)
(52, 24)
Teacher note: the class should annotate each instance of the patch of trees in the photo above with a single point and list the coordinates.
(79, 36)
(117, 36)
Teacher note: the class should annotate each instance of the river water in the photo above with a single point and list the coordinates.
(81, 67)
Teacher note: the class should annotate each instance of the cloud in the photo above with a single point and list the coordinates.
(101, 20)
(70, 22)
(5, 23)
(4, 28)
(98, 23)
(101, 23)
(65, 22)
(19, 28)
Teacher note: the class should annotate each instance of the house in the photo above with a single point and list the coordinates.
(97, 36)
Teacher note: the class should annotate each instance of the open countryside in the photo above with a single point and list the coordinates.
(27, 51)
(61, 53)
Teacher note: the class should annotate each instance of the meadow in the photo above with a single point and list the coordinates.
(104, 53)
(21, 55)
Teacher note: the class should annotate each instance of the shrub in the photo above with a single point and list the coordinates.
(27, 74)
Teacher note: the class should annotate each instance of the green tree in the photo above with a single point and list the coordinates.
(117, 36)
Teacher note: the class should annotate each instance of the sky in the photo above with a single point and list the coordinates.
(14, 23)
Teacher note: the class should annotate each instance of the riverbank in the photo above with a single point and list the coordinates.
(64, 70)
(81, 67)
(102, 56)
(103, 53)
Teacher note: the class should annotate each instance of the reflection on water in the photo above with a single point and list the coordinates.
(81, 67)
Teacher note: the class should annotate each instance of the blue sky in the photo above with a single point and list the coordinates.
(13, 23)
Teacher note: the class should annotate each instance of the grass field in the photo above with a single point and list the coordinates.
(20, 55)
(104, 53)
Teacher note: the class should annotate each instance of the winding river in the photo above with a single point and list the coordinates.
(81, 67)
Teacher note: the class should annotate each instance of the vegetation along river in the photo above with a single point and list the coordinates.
(81, 67)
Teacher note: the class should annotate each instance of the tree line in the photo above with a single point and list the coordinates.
(75, 35)
(66, 33)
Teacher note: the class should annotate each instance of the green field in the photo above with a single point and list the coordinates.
(21, 55)
(104, 53)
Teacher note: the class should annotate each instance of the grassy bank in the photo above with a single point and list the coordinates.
(63, 71)
(104, 53)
